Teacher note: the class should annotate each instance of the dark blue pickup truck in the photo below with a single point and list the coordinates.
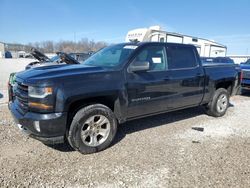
(83, 103)
(245, 82)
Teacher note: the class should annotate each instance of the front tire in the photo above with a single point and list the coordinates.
(93, 129)
(219, 104)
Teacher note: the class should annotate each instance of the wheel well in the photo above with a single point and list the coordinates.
(77, 105)
(226, 85)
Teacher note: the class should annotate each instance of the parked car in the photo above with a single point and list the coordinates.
(81, 57)
(83, 103)
(41, 59)
(223, 60)
(245, 82)
(8, 54)
(217, 60)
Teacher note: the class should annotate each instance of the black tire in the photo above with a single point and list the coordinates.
(79, 121)
(212, 108)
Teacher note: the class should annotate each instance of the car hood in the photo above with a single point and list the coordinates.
(39, 55)
(47, 74)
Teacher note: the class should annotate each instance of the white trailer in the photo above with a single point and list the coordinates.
(206, 48)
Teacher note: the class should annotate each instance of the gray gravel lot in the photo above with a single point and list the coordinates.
(159, 151)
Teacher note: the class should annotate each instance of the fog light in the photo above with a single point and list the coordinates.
(37, 126)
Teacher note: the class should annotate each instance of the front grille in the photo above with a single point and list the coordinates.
(21, 96)
(246, 74)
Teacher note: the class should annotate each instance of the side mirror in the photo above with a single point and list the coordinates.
(138, 66)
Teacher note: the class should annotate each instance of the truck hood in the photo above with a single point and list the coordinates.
(47, 74)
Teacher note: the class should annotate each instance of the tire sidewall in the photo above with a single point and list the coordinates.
(78, 122)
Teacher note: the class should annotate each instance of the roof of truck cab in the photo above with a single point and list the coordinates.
(145, 43)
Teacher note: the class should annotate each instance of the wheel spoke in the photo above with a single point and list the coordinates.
(103, 132)
(93, 140)
(102, 120)
(90, 121)
(85, 134)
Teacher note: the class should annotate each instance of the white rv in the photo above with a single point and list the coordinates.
(206, 48)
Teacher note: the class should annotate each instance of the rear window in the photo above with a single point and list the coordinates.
(180, 57)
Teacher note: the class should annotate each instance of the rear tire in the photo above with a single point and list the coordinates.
(219, 103)
(93, 129)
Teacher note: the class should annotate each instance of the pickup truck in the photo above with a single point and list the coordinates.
(82, 104)
(245, 83)
(217, 60)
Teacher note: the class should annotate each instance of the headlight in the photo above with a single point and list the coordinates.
(39, 92)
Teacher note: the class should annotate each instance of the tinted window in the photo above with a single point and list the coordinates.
(155, 55)
(180, 57)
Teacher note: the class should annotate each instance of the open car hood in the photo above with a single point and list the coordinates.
(67, 58)
(39, 55)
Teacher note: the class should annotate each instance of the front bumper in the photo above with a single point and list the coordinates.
(47, 128)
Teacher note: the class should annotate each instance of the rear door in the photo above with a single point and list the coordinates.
(186, 76)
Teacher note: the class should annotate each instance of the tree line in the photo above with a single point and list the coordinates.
(83, 45)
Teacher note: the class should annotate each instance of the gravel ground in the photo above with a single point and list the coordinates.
(162, 151)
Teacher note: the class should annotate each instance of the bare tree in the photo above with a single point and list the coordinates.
(83, 45)
(47, 46)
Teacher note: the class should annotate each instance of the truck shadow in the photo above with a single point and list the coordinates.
(62, 147)
(155, 121)
(146, 123)
(158, 120)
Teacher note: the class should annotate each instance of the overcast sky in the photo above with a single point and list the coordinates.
(227, 22)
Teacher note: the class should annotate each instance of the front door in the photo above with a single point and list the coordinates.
(149, 91)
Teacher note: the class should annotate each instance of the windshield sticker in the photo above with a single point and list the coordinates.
(156, 60)
(130, 47)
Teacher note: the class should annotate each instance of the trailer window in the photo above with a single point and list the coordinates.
(180, 57)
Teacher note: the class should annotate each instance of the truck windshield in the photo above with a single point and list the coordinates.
(111, 56)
